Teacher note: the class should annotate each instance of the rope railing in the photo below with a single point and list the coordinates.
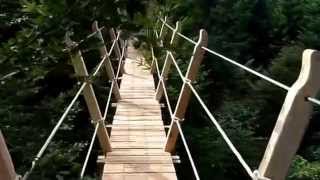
(221, 131)
(185, 144)
(256, 73)
(211, 117)
(304, 89)
(89, 150)
(253, 174)
(68, 109)
(53, 132)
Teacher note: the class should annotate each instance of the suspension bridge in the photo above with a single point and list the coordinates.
(138, 146)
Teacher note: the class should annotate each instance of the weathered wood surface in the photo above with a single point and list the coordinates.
(293, 119)
(137, 135)
(7, 171)
(185, 93)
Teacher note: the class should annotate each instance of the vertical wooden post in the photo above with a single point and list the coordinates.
(176, 30)
(116, 47)
(164, 75)
(91, 101)
(7, 171)
(185, 92)
(153, 63)
(293, 119)
(162, 27)
(123, 45)
(161, 34)
(107, 64)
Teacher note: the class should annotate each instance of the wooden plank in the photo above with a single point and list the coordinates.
(137, 133)
(138, 113)
(138, 139)
(140, 176)
(136, 145)
(137, 118)
(137, 122)
(138, 127)
(293, 119)
(139, 159)
(139, 168)
(138, 152)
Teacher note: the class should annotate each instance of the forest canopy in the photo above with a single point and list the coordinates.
(37, 79)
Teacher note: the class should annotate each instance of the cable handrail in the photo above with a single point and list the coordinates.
(195, 171)
(89, 150)
(221, 131)
(176, 66)
(53, 132)
(66, 112)
(256, 73)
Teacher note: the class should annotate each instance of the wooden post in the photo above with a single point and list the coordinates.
(153, 63)
(7, 171)
(107, 64)
(90, 98)
(116, 47)
(185, 92)
(164, 75)
(162, 31)
(123, 45)
(176, 30)
(293, 119)
(162, 27)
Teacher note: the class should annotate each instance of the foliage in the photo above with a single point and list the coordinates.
(37, 79)
(268, 36)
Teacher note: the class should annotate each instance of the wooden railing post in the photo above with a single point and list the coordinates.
(90, 98)
(161, 33)
(185, 93)
(7, 171)
(176, 30)
(163, 77)
(153, 63)
(107, 64)
(293, 119)
(116, 47)
(162, 27)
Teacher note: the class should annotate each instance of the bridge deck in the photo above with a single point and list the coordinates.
(137, 135)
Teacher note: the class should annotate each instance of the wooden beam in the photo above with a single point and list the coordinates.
(162, 27)
(164, 75)
(107, 64)
(153, 63)
(116, 47)
(292, 120)
(176, 30)
(91, 101)
(185, 92)
(7, 171)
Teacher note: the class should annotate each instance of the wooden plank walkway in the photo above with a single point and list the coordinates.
(137, 135)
